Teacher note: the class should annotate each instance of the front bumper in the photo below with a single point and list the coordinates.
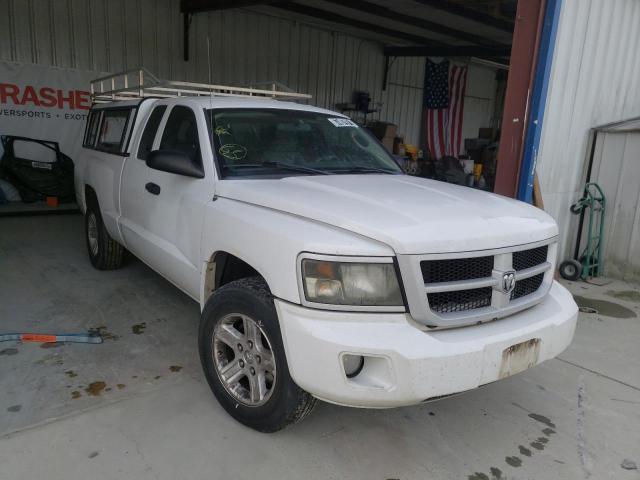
(405, 364)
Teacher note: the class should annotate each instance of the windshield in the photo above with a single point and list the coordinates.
(251, 142)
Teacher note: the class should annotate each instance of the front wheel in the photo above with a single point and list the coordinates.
(244, 360)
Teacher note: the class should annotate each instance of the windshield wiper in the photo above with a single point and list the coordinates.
(295, 168)
(282, 166)
(360, 169)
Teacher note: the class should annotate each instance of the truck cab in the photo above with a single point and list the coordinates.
(323, 272)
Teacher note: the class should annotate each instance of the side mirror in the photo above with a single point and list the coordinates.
(175, 161)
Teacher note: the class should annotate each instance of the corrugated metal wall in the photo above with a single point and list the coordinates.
(242, 46)
(595, 80)
(616, 168)
(233, 46)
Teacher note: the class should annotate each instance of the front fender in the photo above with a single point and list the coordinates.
(270, 241)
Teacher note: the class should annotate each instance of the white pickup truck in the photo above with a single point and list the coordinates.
(322, 271)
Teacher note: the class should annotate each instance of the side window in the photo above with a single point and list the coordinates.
(112, 130)
(149, 133)
(181, 132)
(92, 128)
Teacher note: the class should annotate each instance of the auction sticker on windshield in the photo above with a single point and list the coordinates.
(342, 122)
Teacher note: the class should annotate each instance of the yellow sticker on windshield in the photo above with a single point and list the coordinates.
(232, 151)
(221, 131)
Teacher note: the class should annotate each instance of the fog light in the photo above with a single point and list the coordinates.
(352, 365)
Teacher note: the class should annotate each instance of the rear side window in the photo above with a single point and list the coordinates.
(149, 133)
(181, 132)
(92, 129)
(112, 130)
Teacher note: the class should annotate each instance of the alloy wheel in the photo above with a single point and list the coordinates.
(243, 358)
(92, 233)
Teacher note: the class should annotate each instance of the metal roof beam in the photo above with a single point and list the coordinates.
(389, 14)
(352, 22)
(197, 6)
(469, 13)
(448, 51)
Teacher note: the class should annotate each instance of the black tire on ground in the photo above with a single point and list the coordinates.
(571, 269)
(104, 252)
(287, 403)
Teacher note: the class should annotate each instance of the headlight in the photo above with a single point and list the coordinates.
(356, 284)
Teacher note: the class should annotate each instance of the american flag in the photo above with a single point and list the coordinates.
(444, 90)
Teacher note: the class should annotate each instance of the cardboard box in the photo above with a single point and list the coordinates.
(382, 130)
(388, 143)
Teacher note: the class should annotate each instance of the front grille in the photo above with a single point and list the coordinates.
(460, 301)
(529, 258)
(527, 286)
(457, 269)
(458, 287)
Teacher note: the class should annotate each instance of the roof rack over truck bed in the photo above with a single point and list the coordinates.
(140, 83)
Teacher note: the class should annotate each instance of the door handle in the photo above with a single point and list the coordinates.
(153, 188)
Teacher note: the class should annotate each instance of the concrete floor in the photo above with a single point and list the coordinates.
(573, 417)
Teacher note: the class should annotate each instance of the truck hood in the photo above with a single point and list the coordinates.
(411, 215)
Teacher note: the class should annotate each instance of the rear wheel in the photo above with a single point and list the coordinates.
(244, 361)
(104, 252)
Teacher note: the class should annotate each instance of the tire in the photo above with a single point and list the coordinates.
(571, 270)
(232, 308)
(104, 252)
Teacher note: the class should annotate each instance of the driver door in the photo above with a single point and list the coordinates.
(162, 213)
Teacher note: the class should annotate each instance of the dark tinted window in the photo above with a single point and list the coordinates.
(181, 132)
(149, 134)
(113, 129)
(92, 129)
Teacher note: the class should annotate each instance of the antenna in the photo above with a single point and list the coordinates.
(209, 58)
(209, 66)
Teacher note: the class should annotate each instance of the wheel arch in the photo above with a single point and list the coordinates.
(223, 267)
(89, 196)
